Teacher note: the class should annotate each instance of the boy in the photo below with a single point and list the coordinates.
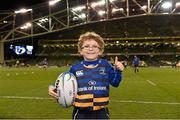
(93, 73)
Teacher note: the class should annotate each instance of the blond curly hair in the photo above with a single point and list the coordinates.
(90, 35)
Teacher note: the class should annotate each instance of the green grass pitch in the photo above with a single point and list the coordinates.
(153, 93)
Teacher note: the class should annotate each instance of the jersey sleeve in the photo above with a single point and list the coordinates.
(115, 76)
(72, 70)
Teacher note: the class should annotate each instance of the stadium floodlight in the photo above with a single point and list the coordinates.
(178, 5)
(95, 4)
(53, 2)
(116, 10)
(23, 10)
(78, 8)
(117, 0)
(81, 16)
(144, 7)
(101, 12)
(26, 26)
(5, 21)
(112, 0)
(167, 5)
(43, 20)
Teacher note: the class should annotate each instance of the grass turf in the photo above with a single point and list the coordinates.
(153, 93)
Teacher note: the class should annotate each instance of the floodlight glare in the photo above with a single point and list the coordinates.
(98, 3)
(78, 8)
(43, 20)
(52, 2)
(82, 16)
(112, 0)
(178, 5)
(101, 12)
(28, 24)
(5, 21)
(166, 5)
(144, 7)
(115, 10)
(23, 10)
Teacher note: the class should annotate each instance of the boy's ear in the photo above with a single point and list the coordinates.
(80, 52)
(100, 53)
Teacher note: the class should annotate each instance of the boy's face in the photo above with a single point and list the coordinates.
(90, 50)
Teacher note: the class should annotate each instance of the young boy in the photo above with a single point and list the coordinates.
(93, 77)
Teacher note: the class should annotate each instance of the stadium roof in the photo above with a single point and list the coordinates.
(45, 20)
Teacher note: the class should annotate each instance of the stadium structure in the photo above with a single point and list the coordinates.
(149, 29)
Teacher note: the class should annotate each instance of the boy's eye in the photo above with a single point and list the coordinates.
(88, 47)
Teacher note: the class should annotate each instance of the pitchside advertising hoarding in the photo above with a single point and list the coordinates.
(21, 50)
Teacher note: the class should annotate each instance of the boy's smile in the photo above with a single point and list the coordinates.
(90, 50)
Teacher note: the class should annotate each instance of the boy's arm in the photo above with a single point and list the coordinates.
(116, 73)
(52, 91)
(115, 77)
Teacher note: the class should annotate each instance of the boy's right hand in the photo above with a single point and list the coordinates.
(53, 92)
(118, 64)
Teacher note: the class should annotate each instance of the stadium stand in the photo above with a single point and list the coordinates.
(152, 33)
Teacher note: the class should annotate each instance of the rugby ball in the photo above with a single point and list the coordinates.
(66, 86)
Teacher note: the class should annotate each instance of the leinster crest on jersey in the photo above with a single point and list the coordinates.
(102, 70)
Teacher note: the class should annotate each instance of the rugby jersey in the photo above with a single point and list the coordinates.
(93, 78)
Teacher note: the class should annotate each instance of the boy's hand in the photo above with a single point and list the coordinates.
(118, 64)
(52, 92)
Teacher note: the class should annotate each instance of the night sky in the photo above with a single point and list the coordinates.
(17, 4)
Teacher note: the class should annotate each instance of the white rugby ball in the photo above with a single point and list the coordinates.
(66, 86)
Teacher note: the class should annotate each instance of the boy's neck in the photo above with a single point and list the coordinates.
(94, 62)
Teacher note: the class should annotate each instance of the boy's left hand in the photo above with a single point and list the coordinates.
(118, 64)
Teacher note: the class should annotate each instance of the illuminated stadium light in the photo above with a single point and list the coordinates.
(101, 12)
(78, 8)
(95, 4)
(23, 27)
(116, 10)
(112, 0)
(43, 20)
(166, 5)
(5, 21)
(81, 16)
(44, 46)
(144, 7)
(23, 10)
(52, 2)
(57, 45)
(178, 5)
(26, 26)
(117, 0)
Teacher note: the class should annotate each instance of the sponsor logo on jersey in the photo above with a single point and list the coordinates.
(79, 73)
(92, 82)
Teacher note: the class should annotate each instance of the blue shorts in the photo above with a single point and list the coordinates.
(85, 114)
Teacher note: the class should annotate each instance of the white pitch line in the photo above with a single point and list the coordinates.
(145, 102)
(150, 82)
(117, 101)
(21, 97)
